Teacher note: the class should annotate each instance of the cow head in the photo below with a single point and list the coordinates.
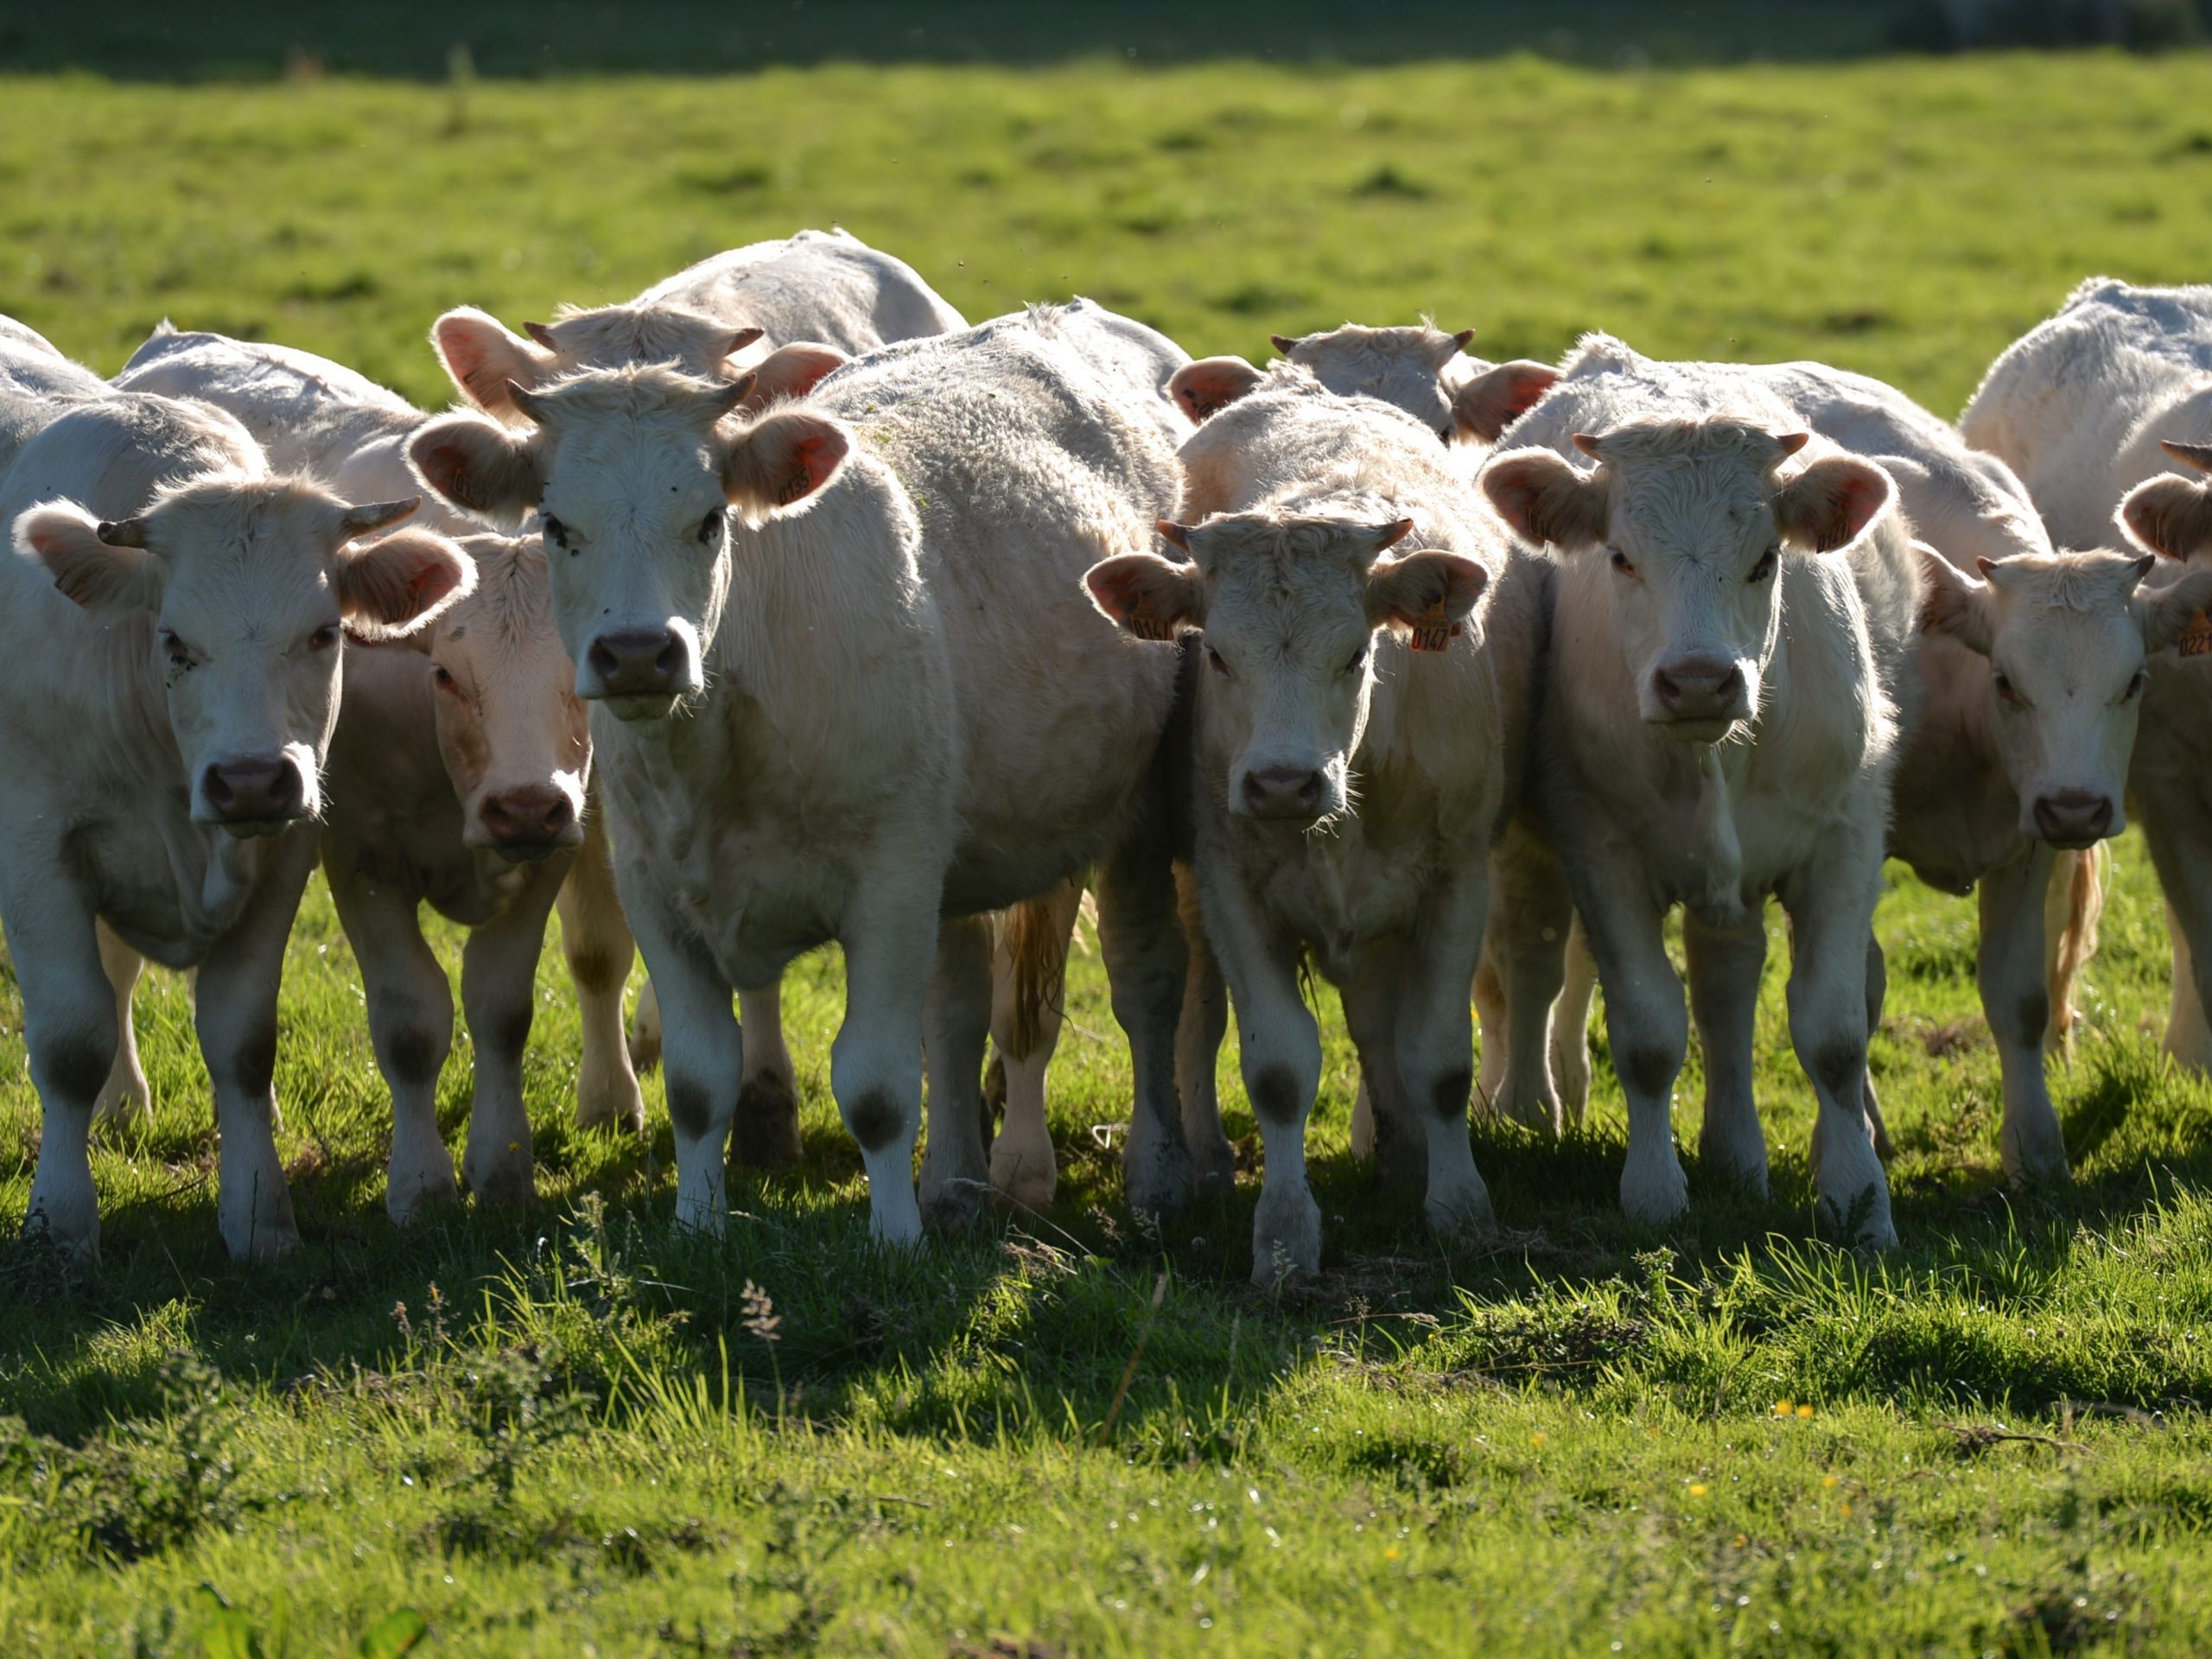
(1290, 607)
(1692, 517)
(634, 471)
(249, 583)
(2172, 514)
(483, 359)
(2068, 637)
(1421, 371)
(510, 725)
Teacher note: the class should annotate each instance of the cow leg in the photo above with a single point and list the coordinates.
(1199, 1031)
(702, 1052)
(234, 1006)
(1280, 1052)
(1147, 966)
(1650, 1033)
(1877, 991)
(1831, 905)
(411, 1027)
(125, 1101)
(1028, 1002)
(1435, 1045)
(1371, 1005)
(1570, 1027)
(645, 1029)
(1523, 969)
(957, 1020)
(875, 1064)
(768, 1106)
(2189, 1037)
(2016, 1000)
(1724, 964)
(595, 940)
(69, 1027)
(499, 995)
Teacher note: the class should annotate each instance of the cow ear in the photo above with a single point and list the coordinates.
(1546, 500)
(96, 573)
(1952, 602)
(1146, 595)
(478, 466)
(1486, 404)
(1211, 385)
(2169, 514)
(739, 341)
(2179, 615)
(781, 461)
(388, 588)
(790, 372)
(1828, 504)
(482, 356)
(1431, 593)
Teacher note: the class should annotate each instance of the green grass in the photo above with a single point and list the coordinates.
(567, 1430)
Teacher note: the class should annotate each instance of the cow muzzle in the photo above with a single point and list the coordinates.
(253, 794)
(640, 673)
(1290, 794)
(526, 823)
(2071, 819)
(1697, 699)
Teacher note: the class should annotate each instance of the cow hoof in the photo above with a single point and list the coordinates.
(1531, 1112)
(1213, 1163)
(1730, 1164)
(1400, 1160)
(644, 1038)
(407, 1201)
(766, 1133)
(1461, 1215)
(505, 1181)
(1286, 1238)
(954, 1209)
(613, 1105)
(270, 1238)
(1024, 1176)
(126, 1105)
(1655, 1190)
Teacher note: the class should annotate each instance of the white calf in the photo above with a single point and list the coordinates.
(1700, 751)
(856, 706)
(1358, 732)
(178, 614)
(462, 756)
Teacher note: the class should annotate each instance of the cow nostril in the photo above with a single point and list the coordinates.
(1732, 683)
(1663, 684)
(602, 661)
(670, 661)
(560, 815)
(216, 788)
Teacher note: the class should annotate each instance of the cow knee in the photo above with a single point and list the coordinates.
(416, 1055)
(594, 970)
(74, 1063)
(1447, 1096)
(2031, 1017)
(1275, 1095)
(253, 1060)
(1647, 1067)
(875, 1120)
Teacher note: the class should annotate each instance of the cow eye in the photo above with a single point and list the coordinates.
(1621, 562)
(710, 527)
(1447, 432)
(446, 681)
(2135, 687)
(2004, 690)
(1764, 568)
(1214, 661)
(555, 532)
(1358, 661)
(180, 655)
(324, 637)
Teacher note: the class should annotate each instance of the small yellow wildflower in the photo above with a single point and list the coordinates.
(1390, 1554)
(1784, 1408)
(1741, 1541)
(1827, 1480)
(1805, 1412)
(1538, 1439)
(1843, 1509)
(1697, 1489)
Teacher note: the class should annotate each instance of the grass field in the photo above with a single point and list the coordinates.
(572, 1431)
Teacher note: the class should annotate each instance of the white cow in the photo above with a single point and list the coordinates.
(1360, 731)
(2108, 408)
(457, 778)
(176, 612)
(1419, 370)
(787, 312)
(860, 706)
(1732, 644)
(36, 384)
(716, 318)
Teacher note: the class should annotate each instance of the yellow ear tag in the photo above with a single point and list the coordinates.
(1149, 627)
(2197, 639)
(1432, 630)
